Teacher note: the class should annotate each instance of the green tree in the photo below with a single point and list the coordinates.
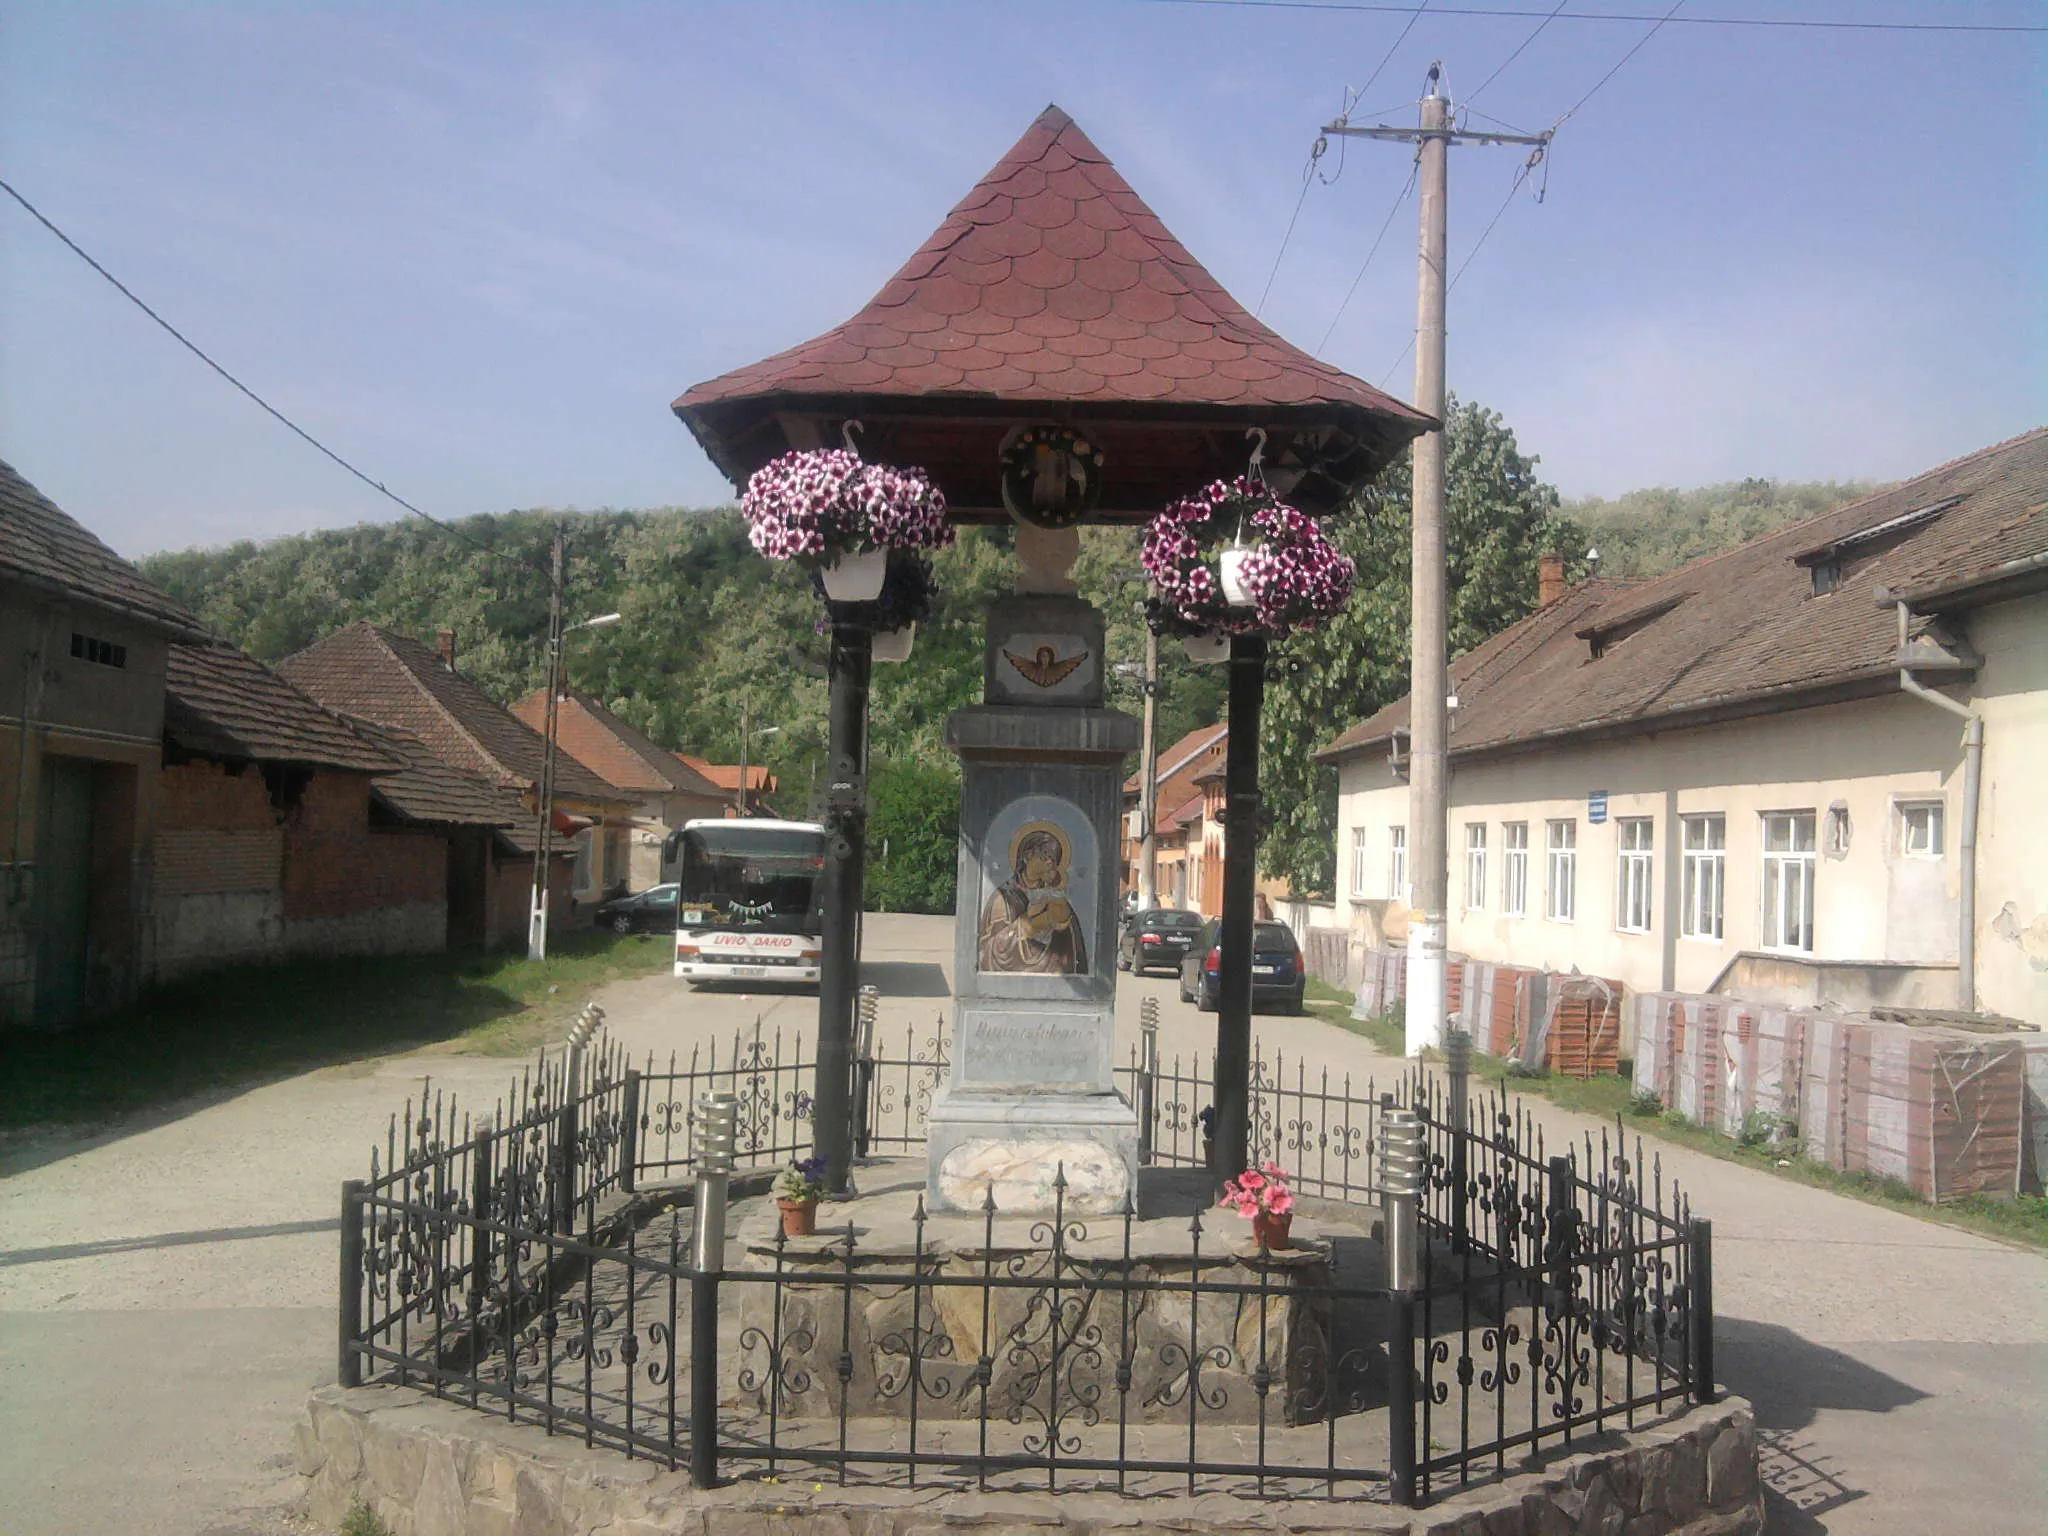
(1499, 517)
(913, 836)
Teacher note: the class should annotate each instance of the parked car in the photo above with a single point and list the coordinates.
(650, 911)
(1278, 975)
(1156, 936)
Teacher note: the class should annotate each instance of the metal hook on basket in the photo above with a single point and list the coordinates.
(846, 430)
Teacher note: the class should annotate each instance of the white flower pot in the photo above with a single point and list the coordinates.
(856, 578)
(1235, 591)
(1206, 650)
(895, 644)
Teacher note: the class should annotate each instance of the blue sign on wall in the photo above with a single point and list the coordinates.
(1596, 806)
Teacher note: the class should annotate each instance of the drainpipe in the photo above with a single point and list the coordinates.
(1973, 778)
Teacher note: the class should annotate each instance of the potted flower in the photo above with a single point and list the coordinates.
(909, 593)
(797, 1191)
(1262, 1194)
(827, 509)
(1235, 559)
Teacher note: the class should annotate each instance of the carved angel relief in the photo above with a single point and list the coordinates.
(1045, 667)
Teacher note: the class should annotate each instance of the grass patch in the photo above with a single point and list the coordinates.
(2023, 1219)
(245, 1025)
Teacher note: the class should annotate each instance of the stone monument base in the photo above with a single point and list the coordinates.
(1013, 1147)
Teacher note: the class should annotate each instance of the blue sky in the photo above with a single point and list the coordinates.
(479, 248)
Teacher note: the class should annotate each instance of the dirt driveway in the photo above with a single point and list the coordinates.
(166, 1292)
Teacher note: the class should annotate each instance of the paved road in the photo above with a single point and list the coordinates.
(166, 1292)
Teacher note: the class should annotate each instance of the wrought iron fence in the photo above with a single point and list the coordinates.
(495, 1262)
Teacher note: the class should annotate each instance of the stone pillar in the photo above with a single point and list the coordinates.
(1042, 765)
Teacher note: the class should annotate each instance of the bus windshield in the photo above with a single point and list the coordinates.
(763, 879)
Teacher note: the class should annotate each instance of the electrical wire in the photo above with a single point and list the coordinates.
(1308, 176)
(279, 416)
(1385, 225)
(1785, 23)
(1638, 48)
(1388, 58)
(1504, 63)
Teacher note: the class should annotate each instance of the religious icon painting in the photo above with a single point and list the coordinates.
(1037, 867)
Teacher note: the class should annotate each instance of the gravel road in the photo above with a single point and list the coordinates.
(166, 1292)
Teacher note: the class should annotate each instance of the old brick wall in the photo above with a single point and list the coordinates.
(219, 869)
(350, 889)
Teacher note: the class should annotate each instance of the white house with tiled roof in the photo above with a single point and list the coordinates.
(1752, 774)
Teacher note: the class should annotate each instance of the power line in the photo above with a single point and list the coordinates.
(1779, 22)
(1308, 176)
(1504, 63)
(130, 295)
(1385, 225)
(1638, 48)
(1395, 48)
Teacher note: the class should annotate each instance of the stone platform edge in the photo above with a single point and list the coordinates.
(429, 1468)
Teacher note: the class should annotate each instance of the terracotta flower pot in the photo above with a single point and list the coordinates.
(1269, 1228)
(799, 1217)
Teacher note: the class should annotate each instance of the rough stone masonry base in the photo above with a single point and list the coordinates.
(430, 1468)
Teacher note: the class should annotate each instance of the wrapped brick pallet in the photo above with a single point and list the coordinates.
(1940, 1109)
(1382, 982)
(1824, 1090)
(1328, 955)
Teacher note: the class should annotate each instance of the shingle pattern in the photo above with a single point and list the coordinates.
(395, 680)
(1172, 760)
(44, 544)
(1053, 281)
(1747, 629)
(224, 702)
(610, 748)
(425, 789)
(725, 777)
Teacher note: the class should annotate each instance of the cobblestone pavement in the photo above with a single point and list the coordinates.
(166, 1290)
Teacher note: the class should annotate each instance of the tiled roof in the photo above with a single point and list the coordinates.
(1053, 286)
(1171, 760)
(1744, 631)
(224, 703)
(44, 546)
(726, 776)
(1187, 815)
(425, 789)
(610, 748)
(395, 680)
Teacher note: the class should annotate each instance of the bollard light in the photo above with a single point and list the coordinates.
(1401, 1181)
(714, 1136)
(1458, 1051)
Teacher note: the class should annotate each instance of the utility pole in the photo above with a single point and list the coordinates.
(1429, 674)
(739, 798)
(544, 792)
(1148, 783)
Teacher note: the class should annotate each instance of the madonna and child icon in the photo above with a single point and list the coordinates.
(1029, 926)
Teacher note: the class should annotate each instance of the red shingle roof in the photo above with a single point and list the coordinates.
(394, 680)
(610, 748)
(1053, 285)
(1744, 631)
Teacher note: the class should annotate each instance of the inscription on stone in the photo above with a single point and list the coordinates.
(1024, 1050)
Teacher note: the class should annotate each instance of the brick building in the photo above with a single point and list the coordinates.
(669, 790)
(395, 681)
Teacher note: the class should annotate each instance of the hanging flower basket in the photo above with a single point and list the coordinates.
(1281, 565)
(905, 598)
(822, 506)
(895, 644)
(1206, 650)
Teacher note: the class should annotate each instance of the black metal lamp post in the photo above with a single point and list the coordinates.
(852, 661)
(1232, 1146)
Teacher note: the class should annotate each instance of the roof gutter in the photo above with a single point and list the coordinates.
(1973, 780)
(2011, 578)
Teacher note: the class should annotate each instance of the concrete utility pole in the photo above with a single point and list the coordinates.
(739, 798)
(1428, 695)
(544, 791)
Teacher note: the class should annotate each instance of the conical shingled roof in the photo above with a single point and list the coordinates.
(1053, 287)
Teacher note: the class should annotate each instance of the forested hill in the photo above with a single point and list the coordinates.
(1647, 531)
(714, 635)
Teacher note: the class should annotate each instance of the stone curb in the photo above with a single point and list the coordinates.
(431, 1468)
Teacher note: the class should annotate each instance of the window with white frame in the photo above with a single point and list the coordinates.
(1921, 829)
(1632, 882)
(1397, 863)
(1475, 864)
(1702, 874)
(1358, 878)
(1788, 865)
(1561, 883)
(1514, 875)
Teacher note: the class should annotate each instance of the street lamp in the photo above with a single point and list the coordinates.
(537, 919)
(747, 734)
(1148, 773)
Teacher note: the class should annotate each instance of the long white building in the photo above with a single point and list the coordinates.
(1752, 774)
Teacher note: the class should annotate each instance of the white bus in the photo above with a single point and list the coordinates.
(749, 903)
